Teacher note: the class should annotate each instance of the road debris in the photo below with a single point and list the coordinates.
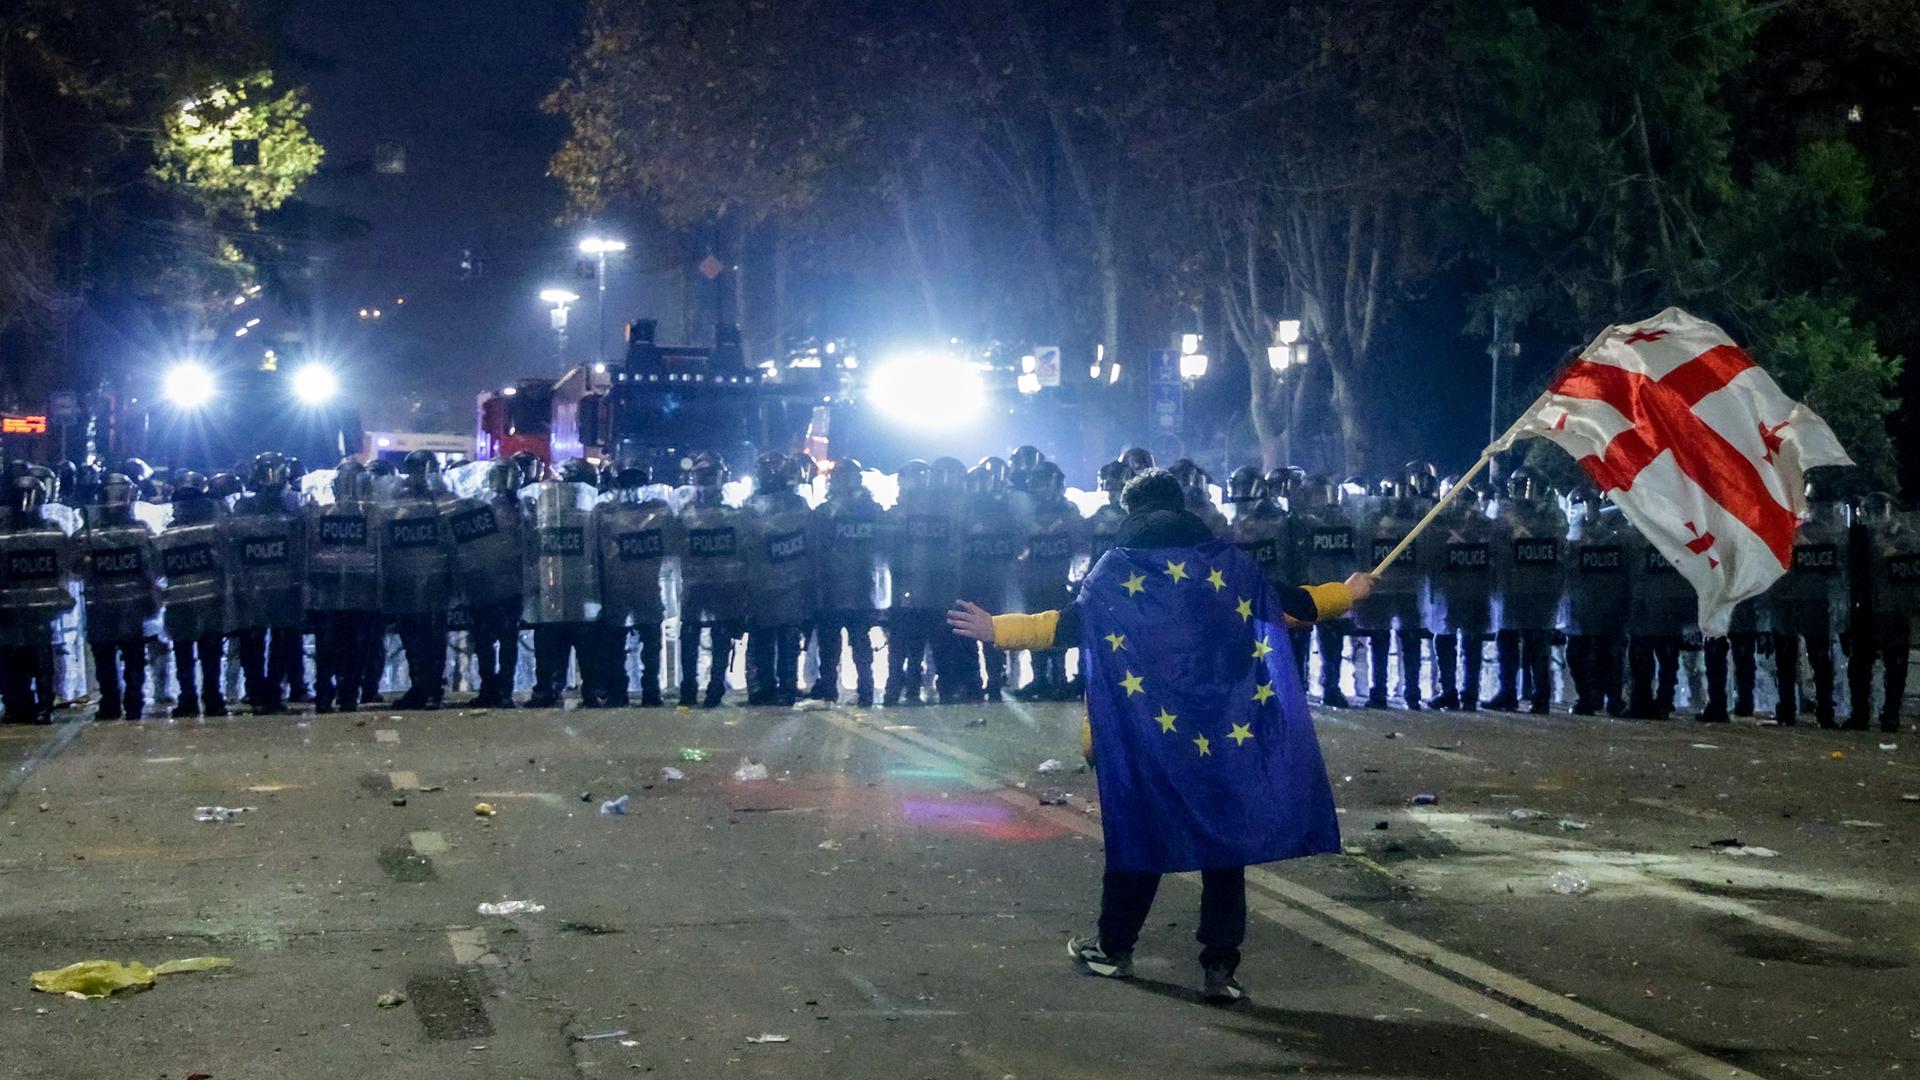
(484, 809)
(392, 999)
(1049, 765)
(978, 721)
(1521, 813)
(1055, 798)
(219, 813)
(692, 753)
(811, 705)
(1855, 823)
(615, 806)
(1570, 825)
(1568, 883)
(618, 1033)
(1889, 746)
(101, 978)
(1705, 746)
(750, 770)
(1838, 755)
(671, 773)
(1425, 798)
(1732, 846)
(765, 1037)
(512, 907)
(828, 845)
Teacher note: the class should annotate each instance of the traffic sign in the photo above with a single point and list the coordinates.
(1163, 368)
(1046, 364)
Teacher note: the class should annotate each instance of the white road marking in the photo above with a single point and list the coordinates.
(427, 843)
(469, 945)
(405, 780)
(386, 735)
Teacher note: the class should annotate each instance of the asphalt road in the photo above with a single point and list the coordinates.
(894, 899)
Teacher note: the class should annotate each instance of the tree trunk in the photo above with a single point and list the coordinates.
(928, 294)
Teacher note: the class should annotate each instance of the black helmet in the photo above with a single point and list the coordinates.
(981, 481)
(381, 467)
(997, 467)
(1113, 477)
(138, 471)
(802, 469)
(846, 477)
(915, 476)
(117, 490)
(577, 471)
(1421, 478)
(769, 471)
(189, 485)
(29, 493)
(420, 463)
(1313, 491)
(709, 470)
(223, 483)
(1878, 507)
(1137, 460)
(1524, 485)
(632, 476)
(295, 469)
(1047, 480)
(531, 467)
(351, 481)
(947, 474)
(1024, 458)
(269, 472)
(1188, 472)
(1246, 485)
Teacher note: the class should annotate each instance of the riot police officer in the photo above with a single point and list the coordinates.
(780, 573)
(1662, 608)
(1135, 460)
(193, 558)
(637, 533)
(1740, 644)
(417, 577)
(1809, 604)
(489, 538)
(36, 590)
(1104, 525)
(1597, 603)
(1889, 558)
(122, 576)
(713, 578)
(1455, 555)
(1193, 481)
(924, 555)
(1054, 535)
(344, 592)
(1397, 601)
(562, 593)
(1259, 526)
(1324, 541)
(989, 551)
(267, 575)
(1529, 577)
(847, 535)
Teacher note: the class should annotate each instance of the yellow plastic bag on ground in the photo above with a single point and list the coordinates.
(101, 978)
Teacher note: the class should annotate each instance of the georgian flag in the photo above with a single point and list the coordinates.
(1696, 445)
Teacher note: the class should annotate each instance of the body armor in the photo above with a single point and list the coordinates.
(266, 563)
(1260, 530)
(714, 571)
(636, 536)
(563, 582)
(1325, 543)
(1893, 563)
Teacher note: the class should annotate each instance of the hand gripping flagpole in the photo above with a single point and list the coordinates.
(1486, 456)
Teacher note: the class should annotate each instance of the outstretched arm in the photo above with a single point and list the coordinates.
(1037, 631)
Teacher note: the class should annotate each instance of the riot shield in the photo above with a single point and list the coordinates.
(1455, 555)
(1811, 598)
(266, 566)
(416, 548)
(343, 555)
(193, 559)
(1529, 572)
(636, 537)
(1399, 596)
(121, 569)
(781, 564)
(37, 581)
(1598, 591)
(489, 547)
(563, 584)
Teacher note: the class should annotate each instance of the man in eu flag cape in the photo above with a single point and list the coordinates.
(1207, 758)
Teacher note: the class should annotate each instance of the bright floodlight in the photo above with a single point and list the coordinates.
(315, 384)
(927, 391)
(558, 296)
(188, 385)
(600, 245)
(1193, 366)
(1288, 331)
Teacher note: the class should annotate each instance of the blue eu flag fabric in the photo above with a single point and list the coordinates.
(1205, 749)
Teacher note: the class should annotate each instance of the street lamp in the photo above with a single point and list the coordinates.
(600, 247)
(188, 385)
(560, 299)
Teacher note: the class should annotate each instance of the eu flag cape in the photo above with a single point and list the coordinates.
(1206, 752)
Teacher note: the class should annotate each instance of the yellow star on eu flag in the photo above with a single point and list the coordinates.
(1217, 580)
(1206, 748)
(1240, 734)
(1263, 693)
(1166, 719)
(1261, 649)
(1136, 584)
(1118, 641)
(1176, 570)
(1245, 608)
(1132, 683)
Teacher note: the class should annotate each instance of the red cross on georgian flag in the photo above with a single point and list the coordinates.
(1696, 445)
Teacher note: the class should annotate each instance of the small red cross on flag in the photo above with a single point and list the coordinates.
(1696, 445)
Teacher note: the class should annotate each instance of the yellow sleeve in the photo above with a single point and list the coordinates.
(1330, 601)
(1025, 631)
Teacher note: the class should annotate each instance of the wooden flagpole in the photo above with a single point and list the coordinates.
(1486, 456)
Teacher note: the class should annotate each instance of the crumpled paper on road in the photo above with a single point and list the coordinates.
(101, 978)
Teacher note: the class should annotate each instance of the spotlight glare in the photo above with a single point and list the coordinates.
(929, 391)
(315, 384)
(188, 385)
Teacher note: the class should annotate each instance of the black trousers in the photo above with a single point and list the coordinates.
(1741, 649)
(26, 681)
(264, 667)
(1653, 669)
(290, 659)
(375, 662)
(424, 637)
(118, 698)
(1595, 661)
(913, 634)
(1302, 639)
(553, 645)
(495, 638)
(1526, 653)
(1333, 642)
(341, 640)
(1889, 641)
(612, 663)
(1049, 673)
(858, 628)
(1127, 895)
(1457, 668)
(205, 653)
(773, 663)
(721, 636)
(1379, 646)
(1786, 666)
